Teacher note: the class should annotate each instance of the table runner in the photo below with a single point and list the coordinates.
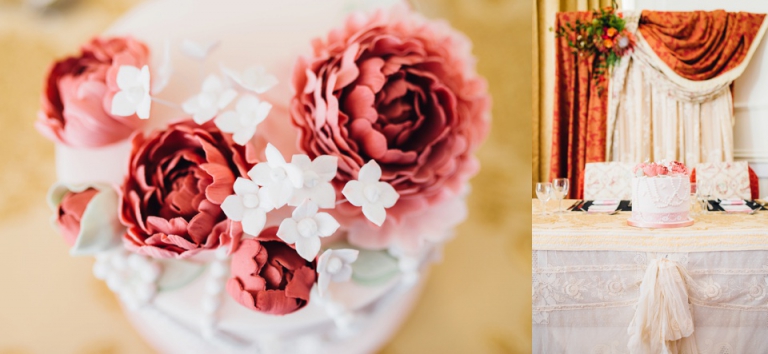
(712, 231)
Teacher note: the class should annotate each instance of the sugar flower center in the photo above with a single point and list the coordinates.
(334, 265)
(372, 193)
(278, 174)
(251, 201)
(206, 100)
(311, 179)
(307, 227)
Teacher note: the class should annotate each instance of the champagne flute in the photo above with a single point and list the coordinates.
(544, 193)
(694, 197)
(560, 187)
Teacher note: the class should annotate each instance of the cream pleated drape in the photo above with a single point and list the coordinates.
(654, 114)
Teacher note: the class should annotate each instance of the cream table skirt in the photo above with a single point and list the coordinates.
(600, 286)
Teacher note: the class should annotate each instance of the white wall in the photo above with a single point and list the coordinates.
(750, 90)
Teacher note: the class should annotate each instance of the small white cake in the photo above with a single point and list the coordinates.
(661, 200)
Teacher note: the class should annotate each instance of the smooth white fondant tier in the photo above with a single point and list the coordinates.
(664, 199)
(380, 322)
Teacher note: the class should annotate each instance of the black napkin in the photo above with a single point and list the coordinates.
(584, 206)
(714, 205)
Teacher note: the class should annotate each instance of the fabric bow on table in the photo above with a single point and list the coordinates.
(663, 321)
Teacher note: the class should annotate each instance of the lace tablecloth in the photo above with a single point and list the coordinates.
(600, 286)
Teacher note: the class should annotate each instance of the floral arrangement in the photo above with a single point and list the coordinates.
(605, 38)
(673, 168)
(386, 115)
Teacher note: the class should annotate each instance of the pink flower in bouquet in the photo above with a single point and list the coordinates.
(77, 97)
(269, 276)
(177, 180)
(70, 212)
(400, 90)
(625, 43)
(678, 168)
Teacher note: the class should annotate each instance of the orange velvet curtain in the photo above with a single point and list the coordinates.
(697, 45)
(580, 112)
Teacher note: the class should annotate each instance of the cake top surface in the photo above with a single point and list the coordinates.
(294, 144)
(661, 169)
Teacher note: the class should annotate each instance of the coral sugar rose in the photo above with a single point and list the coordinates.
(176, 182)
(400, 90)
(77, 98)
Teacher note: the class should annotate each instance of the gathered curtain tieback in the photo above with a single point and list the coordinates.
(663, 322)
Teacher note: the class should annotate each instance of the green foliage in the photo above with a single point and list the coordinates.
(589, 38)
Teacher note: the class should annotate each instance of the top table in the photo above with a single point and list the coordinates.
(712, 231)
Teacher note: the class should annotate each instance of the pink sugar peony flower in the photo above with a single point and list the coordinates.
(269, 276)
(661, 170)
(638, 169)
(678, 168)
(650, 170)
(77, 97)
(398, 89)
(177, 180)
(70, 212)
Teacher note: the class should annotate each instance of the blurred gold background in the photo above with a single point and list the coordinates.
(476, 301)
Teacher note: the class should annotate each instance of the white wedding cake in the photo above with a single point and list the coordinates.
(260, 176)
(661, 196)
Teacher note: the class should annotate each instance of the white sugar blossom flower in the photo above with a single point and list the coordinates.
(334, 265)
(317, 176)
(305, 228)
(199, 51)
(277, 176)
(254, 79)
(133, 97)
(249, 205)
(131, 276)
(371, 194)
(214, 96)
(242, 122)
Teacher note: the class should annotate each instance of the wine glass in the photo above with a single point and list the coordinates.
(544, 193)
(704, 190)
(560, 187)
(694, 200)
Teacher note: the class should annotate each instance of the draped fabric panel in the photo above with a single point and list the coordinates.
(657, 113)
(700, 45)
(580, 111)
(545, 13)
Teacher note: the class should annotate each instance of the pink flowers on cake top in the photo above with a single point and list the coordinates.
(678, 168)
(398, 89)
(653, 169)
(77, 97)
(177, 180)
(387, 113)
